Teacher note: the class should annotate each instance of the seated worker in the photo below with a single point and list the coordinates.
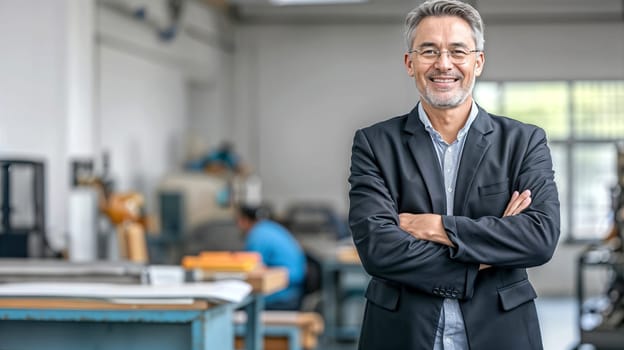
(278, 248)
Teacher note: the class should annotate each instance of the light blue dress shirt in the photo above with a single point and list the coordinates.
(450, 333)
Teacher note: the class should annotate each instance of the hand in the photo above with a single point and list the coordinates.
(517, 203)
(426, 227)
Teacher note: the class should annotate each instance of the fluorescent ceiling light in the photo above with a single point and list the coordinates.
(314, 2)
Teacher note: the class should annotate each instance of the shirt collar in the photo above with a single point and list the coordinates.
(424, 118)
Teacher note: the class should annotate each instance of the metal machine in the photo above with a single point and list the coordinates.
(22, 210)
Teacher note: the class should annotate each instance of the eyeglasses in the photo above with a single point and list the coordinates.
(428, 56)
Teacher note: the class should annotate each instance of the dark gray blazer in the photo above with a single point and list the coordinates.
(394, 169)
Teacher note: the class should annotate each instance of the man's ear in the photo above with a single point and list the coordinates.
(479, 63)
(409, 64)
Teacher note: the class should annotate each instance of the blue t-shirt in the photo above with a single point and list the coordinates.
(279, 248)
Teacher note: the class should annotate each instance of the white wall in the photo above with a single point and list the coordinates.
(305, 90)
(33, 95)
(210, 106)
(143, 119)
(157, 97)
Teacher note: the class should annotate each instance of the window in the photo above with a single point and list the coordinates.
(583, 120)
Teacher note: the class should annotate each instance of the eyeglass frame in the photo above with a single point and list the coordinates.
(439, 53)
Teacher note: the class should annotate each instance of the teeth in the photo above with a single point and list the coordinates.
(444, 80)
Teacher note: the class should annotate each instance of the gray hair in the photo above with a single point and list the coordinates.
(441, 8)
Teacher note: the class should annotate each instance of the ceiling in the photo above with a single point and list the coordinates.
(493, 11)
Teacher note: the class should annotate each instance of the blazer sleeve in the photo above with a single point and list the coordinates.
(524, 240)
(386, 251)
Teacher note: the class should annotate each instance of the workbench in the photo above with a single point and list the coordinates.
(76, 324)
(71, 323)
(337, 261)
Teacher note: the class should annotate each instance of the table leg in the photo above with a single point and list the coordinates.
(210, 331)
(329, 292)
(254, 330)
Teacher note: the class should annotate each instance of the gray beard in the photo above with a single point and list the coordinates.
(448, 103)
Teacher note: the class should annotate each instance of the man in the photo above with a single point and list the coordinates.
(449, 204)
(278, 248)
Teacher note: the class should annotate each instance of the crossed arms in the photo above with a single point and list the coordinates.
(427, 250)
(429, 227)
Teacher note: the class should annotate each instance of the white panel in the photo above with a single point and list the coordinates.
(80, 84)
(82, 245)
(556, 51)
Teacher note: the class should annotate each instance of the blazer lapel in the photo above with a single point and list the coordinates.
(473, 153)
(421, 148)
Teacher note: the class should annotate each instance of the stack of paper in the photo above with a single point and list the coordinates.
(219, 291)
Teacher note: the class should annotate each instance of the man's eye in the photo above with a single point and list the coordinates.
(459, 53)
(429, 52)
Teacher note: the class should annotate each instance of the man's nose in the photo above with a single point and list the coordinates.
(444, 61)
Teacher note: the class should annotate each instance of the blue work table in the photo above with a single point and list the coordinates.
(66, 324)
(69, 323)
(337, 261)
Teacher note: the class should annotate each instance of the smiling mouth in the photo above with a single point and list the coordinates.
(446, 80)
